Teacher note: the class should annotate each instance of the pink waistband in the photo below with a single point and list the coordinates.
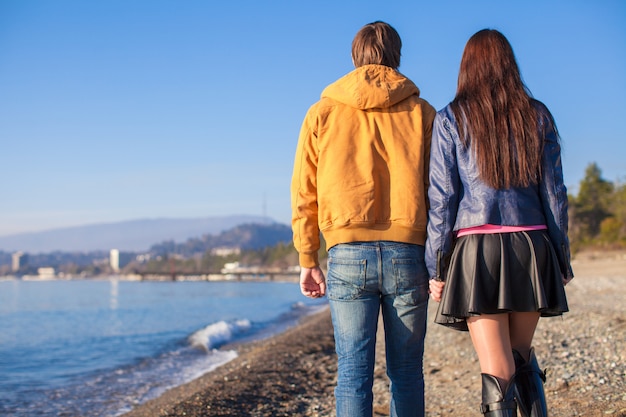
(495, 228)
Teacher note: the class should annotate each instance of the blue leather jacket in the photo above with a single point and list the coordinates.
(460, 199)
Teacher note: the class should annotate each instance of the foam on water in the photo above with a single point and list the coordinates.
(218, 334)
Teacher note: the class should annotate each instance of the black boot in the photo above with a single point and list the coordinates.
(497, 401)
(529, 379)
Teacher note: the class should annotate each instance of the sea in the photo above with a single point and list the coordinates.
(99, 347)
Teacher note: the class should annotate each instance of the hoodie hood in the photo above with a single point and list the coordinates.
(371, 87)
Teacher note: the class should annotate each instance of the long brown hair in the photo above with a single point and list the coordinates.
(377, 43)
(495, 113)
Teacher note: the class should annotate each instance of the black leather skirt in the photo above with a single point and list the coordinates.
(501, 273)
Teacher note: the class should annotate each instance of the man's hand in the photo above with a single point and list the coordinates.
(312, 282)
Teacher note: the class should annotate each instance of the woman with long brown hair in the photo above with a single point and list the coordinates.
(497, 249)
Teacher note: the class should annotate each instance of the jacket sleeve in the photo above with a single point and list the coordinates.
(428, 115)
(443, 195)
(304, 195)
(554, 194)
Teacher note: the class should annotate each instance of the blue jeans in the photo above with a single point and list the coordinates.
(362, 278)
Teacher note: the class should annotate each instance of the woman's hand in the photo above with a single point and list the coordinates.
(435, 288)
(566, 280)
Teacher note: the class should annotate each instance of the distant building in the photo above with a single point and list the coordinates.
(230, 267)
(114, 260)
(225, 251)
(46, 273)
(19, 260)
(143, 258)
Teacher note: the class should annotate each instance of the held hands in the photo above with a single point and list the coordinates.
(566, 280)
(312, 282)
(435, 288)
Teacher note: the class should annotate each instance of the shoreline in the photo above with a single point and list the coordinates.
(243, 384)
(294, 373)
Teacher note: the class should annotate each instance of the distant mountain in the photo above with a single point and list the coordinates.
(245, 236)
(132, 235)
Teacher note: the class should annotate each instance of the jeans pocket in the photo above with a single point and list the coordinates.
(346, 278)
(411, 279)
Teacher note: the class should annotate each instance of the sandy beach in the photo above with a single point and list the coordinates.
(293, 374)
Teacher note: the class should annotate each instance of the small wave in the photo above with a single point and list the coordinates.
(217, 334)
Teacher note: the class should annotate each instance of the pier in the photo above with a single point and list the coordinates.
(259, 275)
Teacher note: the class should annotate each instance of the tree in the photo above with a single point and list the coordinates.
(593, 204)
(618, 209)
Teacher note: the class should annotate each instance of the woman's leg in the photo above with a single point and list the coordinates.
(522, 330)
(529, 378)
(492, 343)
(491, 339)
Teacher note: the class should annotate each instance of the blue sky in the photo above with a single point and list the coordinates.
(118, 110)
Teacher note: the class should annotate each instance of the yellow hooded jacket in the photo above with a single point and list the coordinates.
(361, 165)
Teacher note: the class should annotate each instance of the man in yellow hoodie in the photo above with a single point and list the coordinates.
(360, 178)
